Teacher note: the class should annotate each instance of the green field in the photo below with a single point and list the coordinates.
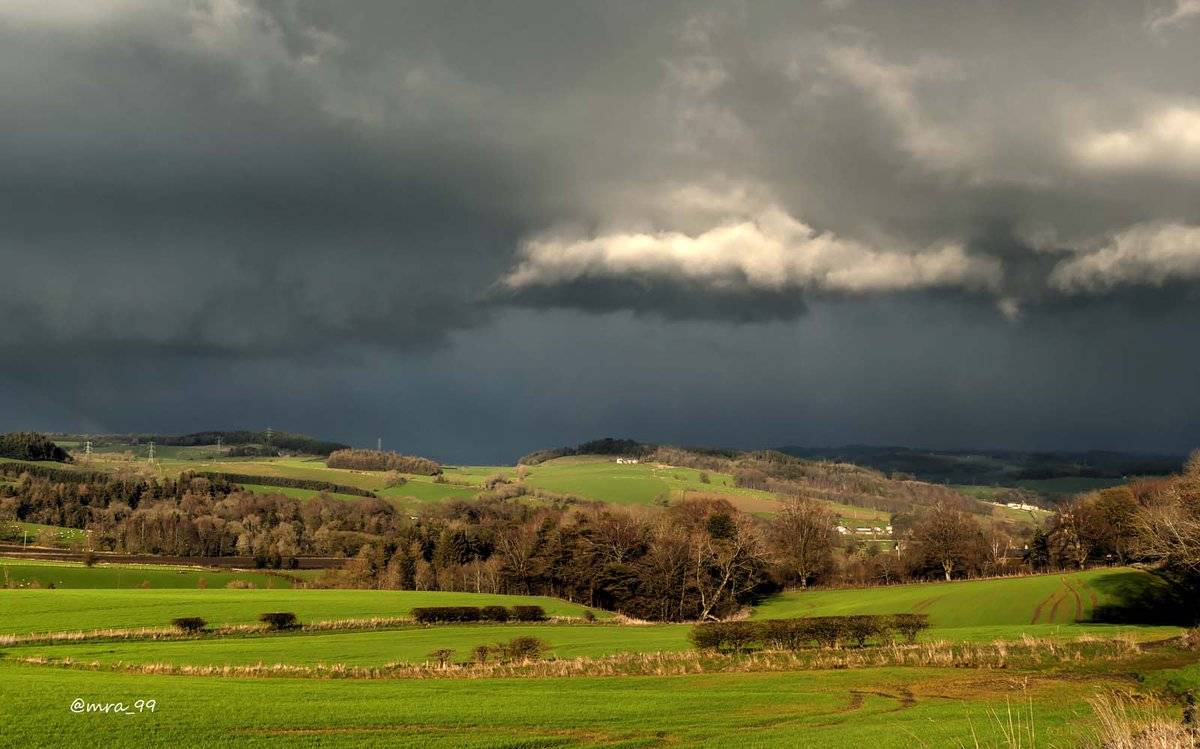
(887, 706)
(28, 533)
(21, 572)
(1035, 599)
(877, 707)
(410, 644)
(597, 478)
(82, 609)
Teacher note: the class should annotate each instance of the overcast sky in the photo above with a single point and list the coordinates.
(476, 229)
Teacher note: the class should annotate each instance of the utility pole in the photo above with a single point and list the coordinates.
(87, 448)
(218, 444)
(151, 458)
(270, 432)
(379, 444)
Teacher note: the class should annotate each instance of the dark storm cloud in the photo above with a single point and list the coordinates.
(259, 204)
(671, 301)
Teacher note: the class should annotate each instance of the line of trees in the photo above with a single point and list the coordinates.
(31, 446)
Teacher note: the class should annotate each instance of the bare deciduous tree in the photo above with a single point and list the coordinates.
(801, 538)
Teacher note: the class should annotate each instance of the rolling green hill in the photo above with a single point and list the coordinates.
(1036, 599)
(25, 573)
(69, 610)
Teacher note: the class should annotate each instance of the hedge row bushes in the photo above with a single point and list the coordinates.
(288, 482)
(448, 614)
(793, 634)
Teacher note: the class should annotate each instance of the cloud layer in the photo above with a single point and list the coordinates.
(259, 203)
(771, 252)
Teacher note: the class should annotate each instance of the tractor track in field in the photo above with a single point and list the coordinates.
(924, 605)
(1071, 586)
(594, 738)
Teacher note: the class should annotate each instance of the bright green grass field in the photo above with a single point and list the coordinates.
(28, 532)
(423, 490)
(600, 477)
(880, 708)
(76, 575)
(69, 610)
(410, 644)
(1039, 599)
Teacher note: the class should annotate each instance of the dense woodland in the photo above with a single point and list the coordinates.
(695, 559)
(377, 460)
(31, 446)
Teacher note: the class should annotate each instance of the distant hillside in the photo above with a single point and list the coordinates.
(296, 443)
(993, 467)
(785, 475)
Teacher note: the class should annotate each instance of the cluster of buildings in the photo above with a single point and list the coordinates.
(864, 530)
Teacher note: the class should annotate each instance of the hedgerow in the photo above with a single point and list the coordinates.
(455, 614)
(794, 634)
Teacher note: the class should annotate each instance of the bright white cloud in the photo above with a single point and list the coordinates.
(1183, 12)
(770, 251)
(1144, 254)
(1167, 139)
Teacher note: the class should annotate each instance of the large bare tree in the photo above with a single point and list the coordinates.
(801, 537)
(948, 537)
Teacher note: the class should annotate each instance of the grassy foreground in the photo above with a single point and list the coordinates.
(878, 707)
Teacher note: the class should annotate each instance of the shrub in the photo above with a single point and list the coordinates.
(734, 637)
(442, 656)
(279, 620)
(189, 624)
(706, 636)
(239, 584)
(909, 625)
(493, 614)
(589, 616)
(861, 628)
(89, 558)
(784, 634)
(481, 653)
(442, 614)
(524, 648)
(528, 613)
(828, 631)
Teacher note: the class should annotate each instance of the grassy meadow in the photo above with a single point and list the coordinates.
(85, 609)
(665, 703)
(617, 683)
(26, 573)
(1026, 600)
(878, 707)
